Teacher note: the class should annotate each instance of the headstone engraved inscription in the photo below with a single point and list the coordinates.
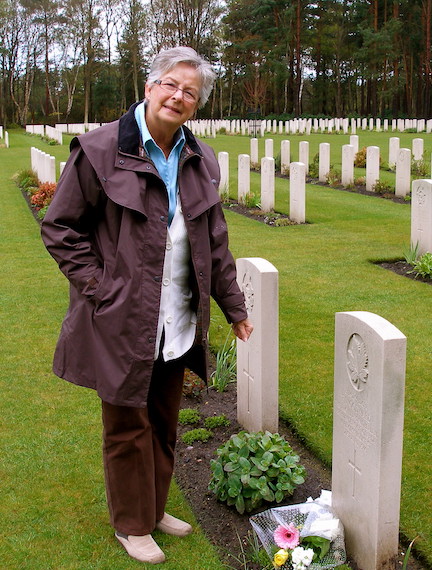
(369, 375)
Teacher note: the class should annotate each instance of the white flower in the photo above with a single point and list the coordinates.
(301, 557)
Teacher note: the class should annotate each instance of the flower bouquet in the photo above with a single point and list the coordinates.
(302, 536)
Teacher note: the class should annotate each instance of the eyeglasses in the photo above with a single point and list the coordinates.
(171, 88)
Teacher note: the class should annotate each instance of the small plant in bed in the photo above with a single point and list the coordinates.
(253, 468)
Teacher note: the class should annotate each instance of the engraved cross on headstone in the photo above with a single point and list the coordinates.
(250, 381)
(355, 471)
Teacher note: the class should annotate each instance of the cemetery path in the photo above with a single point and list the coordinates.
(224, 526)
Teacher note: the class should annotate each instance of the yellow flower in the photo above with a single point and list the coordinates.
(280, 557)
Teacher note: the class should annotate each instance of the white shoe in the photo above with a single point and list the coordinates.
(170, 525)
(142, 548)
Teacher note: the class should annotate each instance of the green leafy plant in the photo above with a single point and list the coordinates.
(226, 365)
(198, 434)
(213, 422)
(250, 200)
(407, 554)
(411, 253)
(255, 467)
(189, 416)
(422, 267)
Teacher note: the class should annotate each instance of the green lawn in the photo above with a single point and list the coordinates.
(53, 513)
(324, 267)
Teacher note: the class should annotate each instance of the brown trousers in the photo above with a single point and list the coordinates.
(138, 452)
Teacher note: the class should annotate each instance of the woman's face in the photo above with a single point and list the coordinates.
(171, 110)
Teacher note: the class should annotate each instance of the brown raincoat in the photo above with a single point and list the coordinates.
(107, 229)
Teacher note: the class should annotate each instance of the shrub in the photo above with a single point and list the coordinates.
(333, 177)
(213, 422)
(422, 267)
(44, 195)
(189, 416)
(26, 179)
(251, 201)
(420, 168)
(198, 434)
(314, 167)
(381, 187)
(255, 467)
(360, 158)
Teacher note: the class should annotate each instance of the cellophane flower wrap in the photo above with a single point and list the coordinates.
(299, 537)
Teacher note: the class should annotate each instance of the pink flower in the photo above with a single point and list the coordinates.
(287, 536)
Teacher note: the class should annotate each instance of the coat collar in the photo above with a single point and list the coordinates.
(129, 135)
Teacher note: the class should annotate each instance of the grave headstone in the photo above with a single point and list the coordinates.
(304, 154)
(417, 149)
(268, 148)
(347, 165)
(223, 159)
(285, 156)
(254, 152)
(257, 359)
(267, 184)
(421, 215)
(394, 144)
(324, 161)
(372, 167)
(243, 176)
(369, 380)
(297, 205)
(354, 141)
(403, 172)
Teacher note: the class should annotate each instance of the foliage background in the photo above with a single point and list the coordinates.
(86, 60)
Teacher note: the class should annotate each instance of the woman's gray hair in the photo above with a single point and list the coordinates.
(168, 58)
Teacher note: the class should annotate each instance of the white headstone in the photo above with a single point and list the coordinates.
(369, 374)
(417, 149)
(285, 156)
(304, 154)
(372, 167)
(243, 176)
(354, 141)
(223, 158)
(347, 165)
(297, 209)
(6, 138)
(254, 152)
(403, 172)
(267, 184)
(268, 148)
(258, 358)
(324, 161)
(421, 215)
(394, 144)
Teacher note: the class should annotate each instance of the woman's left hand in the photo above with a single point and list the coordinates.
(243, 329)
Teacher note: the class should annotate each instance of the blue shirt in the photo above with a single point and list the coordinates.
(167, 167)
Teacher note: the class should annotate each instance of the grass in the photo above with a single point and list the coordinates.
(53, 512)
(324, 267)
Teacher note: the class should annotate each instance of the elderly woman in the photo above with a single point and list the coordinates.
(137, 227)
